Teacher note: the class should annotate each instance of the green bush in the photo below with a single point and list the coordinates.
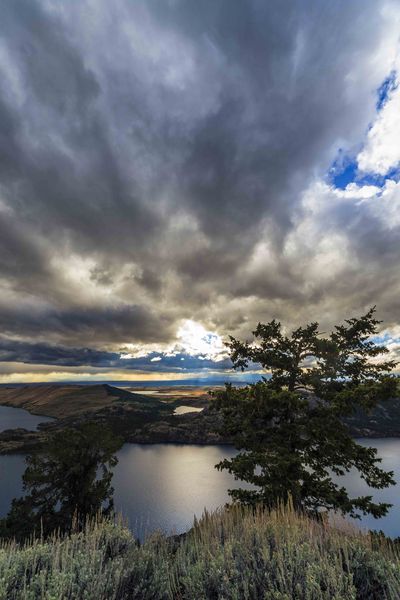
(239, 554)
(231, 554)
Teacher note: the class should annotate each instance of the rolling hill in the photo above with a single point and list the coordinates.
(67, 400)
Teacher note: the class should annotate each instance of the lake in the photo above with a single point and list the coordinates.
(157, 486)
(11, 418)
(162, 486)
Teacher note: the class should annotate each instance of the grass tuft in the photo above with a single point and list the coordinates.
(230, 554)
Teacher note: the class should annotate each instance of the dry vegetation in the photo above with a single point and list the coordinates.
(58, 400)
(229, 555)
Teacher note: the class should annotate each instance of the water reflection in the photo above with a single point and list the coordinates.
(389, 452)
(162, 486)
(12, 467)
(183, 410)
(12, 418)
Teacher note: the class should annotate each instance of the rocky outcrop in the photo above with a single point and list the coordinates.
(14, 441)
(133, 423)
(382, 421)
(192, 428)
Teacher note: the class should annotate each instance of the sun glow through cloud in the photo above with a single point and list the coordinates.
(195, 340)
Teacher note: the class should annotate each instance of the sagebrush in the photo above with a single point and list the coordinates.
(231, 554)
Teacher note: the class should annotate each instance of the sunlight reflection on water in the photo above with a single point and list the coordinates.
(162, 486)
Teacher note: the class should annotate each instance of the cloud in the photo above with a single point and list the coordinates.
(165, 162)
(382, 150)
(15, 352)
(81, 323)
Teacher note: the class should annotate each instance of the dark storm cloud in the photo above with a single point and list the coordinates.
(158, 143)
(97, 325)
(13, 351)
(46, 354)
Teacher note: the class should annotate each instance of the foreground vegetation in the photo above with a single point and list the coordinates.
(237, 553)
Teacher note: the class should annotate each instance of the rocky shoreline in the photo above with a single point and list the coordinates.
(191, 428)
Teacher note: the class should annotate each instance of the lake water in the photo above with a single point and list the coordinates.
(11, 418)
(157, 486)
(162, 486)
(184, 410)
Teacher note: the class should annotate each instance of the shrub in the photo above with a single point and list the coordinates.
(232, 554)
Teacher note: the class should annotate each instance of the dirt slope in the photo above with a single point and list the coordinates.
(64, 400)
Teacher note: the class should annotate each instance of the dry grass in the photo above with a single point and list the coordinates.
(230, 554)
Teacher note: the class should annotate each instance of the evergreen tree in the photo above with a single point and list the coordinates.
(290, 428)
(69, 481)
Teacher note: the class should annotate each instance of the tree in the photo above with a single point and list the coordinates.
(69, 481)
(290, 428)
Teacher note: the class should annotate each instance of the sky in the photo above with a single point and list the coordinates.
(172, 172)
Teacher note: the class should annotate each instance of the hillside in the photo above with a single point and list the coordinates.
(230, 554)
(140, 418)
(133, 416)
(383, 421)
(67, 400)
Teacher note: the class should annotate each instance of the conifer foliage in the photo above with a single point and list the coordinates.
(290, 427)
(66, 483)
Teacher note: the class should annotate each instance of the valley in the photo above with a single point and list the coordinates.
(134, 416)
(140, 415)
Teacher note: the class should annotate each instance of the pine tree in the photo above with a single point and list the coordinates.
(65, 483)
(290, 427)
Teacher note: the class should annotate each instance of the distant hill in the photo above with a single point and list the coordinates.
(382, 421)
(67, 400)
(134, 417)
(140, 418)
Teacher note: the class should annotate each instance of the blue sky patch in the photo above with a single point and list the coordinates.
(344, 169)
(384, 90)
(343, 172)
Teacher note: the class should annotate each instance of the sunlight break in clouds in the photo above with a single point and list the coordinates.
(192, 340)
(195, 340)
